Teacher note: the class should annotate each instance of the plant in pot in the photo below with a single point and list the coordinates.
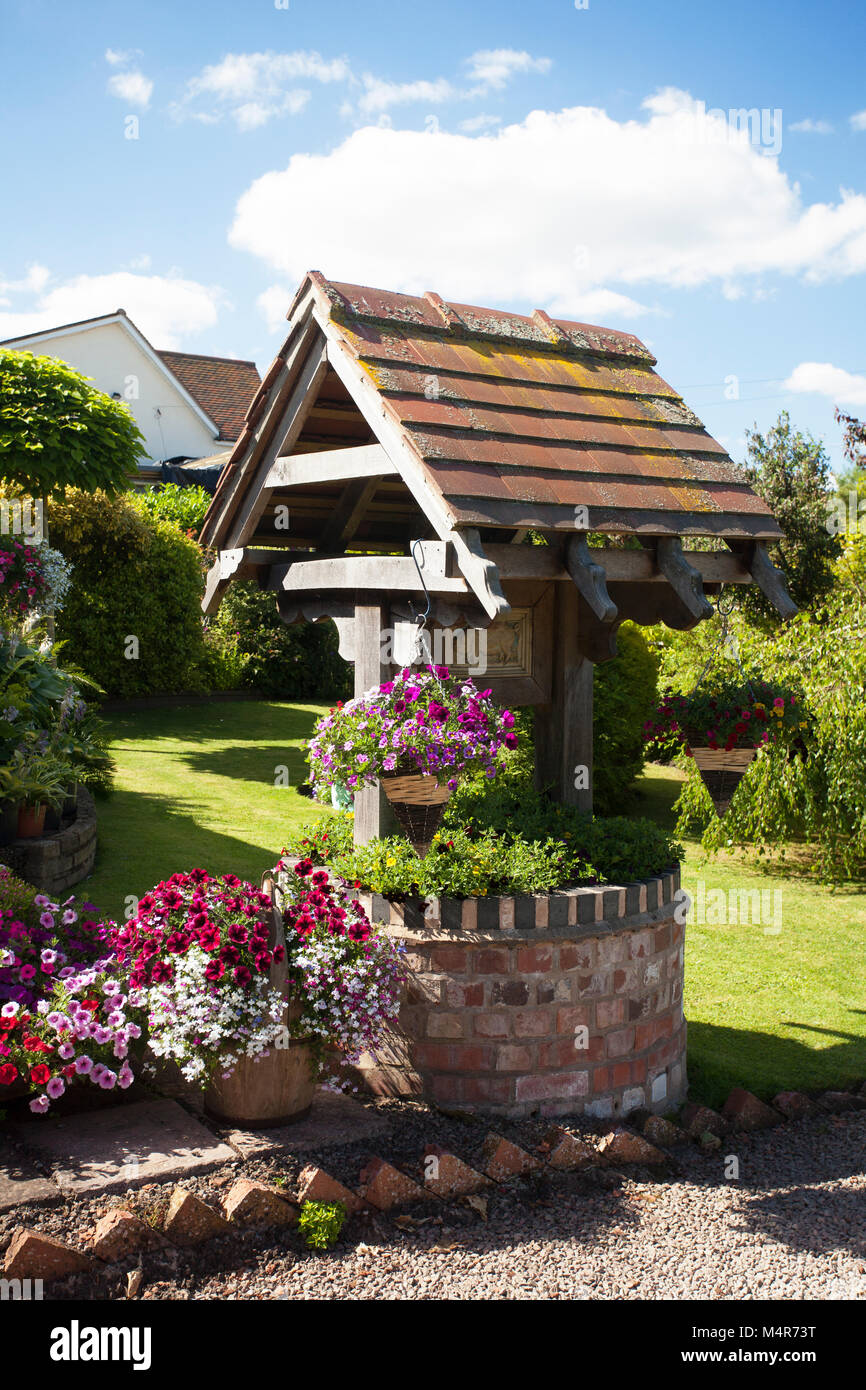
(207, 968)
(723, 724)
(42, 784)
(418, 733)
(347, 976)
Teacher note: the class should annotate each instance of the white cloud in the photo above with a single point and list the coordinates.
(33, 282)
(273, 304)
(132, 87)
(493, 67)
(117, 57)
(480, 122)
(810, 127)
(675, 198)
(379, 95)
(823, 379)
(858, 121)
(166, 308)
(255, 87)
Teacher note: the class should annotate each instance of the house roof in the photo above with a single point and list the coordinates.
(219, 389)
(223, 386)
(506, 421)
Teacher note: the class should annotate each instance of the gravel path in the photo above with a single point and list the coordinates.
(791, 1226)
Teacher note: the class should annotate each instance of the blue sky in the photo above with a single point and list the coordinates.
(582, 160)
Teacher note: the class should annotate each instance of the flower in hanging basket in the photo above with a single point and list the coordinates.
(423, 721)
(722, 725)
(199, 961)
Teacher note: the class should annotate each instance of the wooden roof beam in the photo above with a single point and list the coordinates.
(330, 466)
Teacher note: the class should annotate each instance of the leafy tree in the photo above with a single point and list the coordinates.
(791, 471)
(57, 430)
(185, 506)
(854, 480)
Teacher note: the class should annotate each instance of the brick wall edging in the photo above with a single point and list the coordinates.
(56, 862)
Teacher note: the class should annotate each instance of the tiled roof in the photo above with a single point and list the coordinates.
(518, 419)
(222, 386)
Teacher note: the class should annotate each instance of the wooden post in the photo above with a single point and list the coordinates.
(563, 729)
(373, 814)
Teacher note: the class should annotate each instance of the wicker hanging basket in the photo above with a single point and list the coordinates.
(418, 801)
(722, 771)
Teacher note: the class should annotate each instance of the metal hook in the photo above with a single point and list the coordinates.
(420, 619)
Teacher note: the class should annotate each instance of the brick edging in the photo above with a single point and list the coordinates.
(54, 863)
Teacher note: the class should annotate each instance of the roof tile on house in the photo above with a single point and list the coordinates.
(222, 386)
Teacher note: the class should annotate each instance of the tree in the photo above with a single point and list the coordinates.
(57, 430)
(791, 471)
(854, 480)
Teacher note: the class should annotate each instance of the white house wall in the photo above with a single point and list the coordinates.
(115, 362)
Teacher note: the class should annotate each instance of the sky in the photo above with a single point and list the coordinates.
(694, 173)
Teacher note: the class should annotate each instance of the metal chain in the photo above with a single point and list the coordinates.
(724, 614)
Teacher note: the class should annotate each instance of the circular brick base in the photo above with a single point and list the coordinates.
(54, 863)
(560, 1004)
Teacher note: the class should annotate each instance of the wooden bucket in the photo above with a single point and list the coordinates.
(273, 1090)
(418, 801)
(722, 771)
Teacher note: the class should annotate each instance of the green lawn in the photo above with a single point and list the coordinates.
(769, 1011)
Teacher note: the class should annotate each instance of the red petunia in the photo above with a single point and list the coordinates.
(40, 1074)
(8, 1074)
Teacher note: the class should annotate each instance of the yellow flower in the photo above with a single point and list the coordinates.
(390, 860)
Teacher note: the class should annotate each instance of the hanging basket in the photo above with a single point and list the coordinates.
(722, 771)
(418, 801)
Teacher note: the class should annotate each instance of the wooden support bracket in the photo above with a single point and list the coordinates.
(686, 582)
(769, 579)
(590, 579)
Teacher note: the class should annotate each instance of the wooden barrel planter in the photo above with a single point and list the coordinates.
(560, 1003)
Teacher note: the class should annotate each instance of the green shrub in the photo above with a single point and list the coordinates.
(625, 691)
(285, 663)
(17, 899)
(57, 430)
(185, 506)
(320, 1223)
(134, 576)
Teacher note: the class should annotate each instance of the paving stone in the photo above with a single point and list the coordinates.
(745, 1112)
(567, 1152)
(22, 1183)
(794, 1105)
(252, 1203)
(503, 1160)
(661, 1132)
(315, 1185)
(696, 1119)
(147, 1141)
(32, 1255)
(449, 1176)
(190, 1221)
(624, 1147)
(384, 1186)
(334, 1119)
(121, 1233)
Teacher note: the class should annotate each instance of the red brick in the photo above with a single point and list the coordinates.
(575, 958)
(641, 945)
(533, 1023)
(315, 1185)
(443, 1025)
(552, 1086)
(491, 1025)
(503, 1160)
(437, 1056)
(449, 1088)
(677, 933)
(598, 983)
(534, 959)
(470, 1058)
(639, 1071)
(452, 958)
(462, 996)
(643, 1035)
(578, 1017)
(620, 1042)
(449, 1176)
(494, 1089)
(609, 1013)
(510, 1058)
(510, 992)
(601, 1079)
(663, 937)
(492, 962)
(621, 1073)
(385, 1186)
(561, 1053)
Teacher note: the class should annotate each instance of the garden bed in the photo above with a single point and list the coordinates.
(53, 863)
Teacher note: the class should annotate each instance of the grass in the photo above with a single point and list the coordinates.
(779, 1011)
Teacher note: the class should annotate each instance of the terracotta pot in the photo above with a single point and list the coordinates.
(418, 801)
(722, 771)
(8, 822)
(31, 821)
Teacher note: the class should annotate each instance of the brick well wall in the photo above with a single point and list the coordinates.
(561, 1003)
